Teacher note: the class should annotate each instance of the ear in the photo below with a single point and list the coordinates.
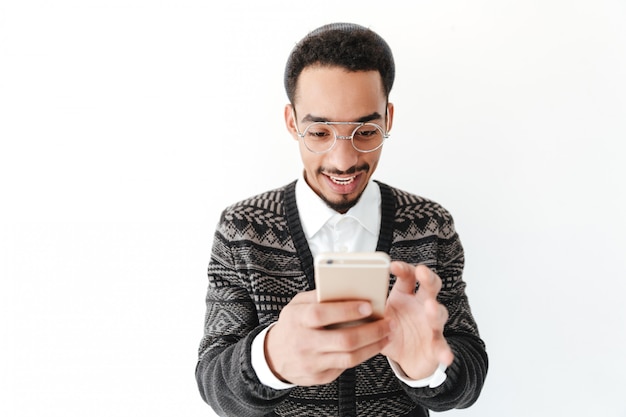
(290, 122)
(389, 116)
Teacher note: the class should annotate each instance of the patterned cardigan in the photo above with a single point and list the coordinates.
(260, 260)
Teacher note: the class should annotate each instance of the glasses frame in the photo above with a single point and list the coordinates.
(332, 125)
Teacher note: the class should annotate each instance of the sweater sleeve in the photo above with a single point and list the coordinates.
(466, 375)
(224, 372)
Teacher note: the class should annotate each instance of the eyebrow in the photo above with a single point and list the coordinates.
(364, 119)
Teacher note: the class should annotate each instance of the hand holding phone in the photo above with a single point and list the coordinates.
(353, 276)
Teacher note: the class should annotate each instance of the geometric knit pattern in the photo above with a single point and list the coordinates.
(260, 260)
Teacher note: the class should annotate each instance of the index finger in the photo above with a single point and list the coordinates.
(304, 297)
(334, 312)
(316, 315)
(405, 277)
(430, 283)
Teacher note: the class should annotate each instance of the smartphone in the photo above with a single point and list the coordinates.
(353, 276)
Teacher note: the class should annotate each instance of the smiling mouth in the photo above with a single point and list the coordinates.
(342, 180)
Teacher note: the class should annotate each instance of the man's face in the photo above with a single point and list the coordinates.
(333, 94)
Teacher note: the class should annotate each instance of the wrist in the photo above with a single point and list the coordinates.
(261, 365)
(269, 358)
(434, 380)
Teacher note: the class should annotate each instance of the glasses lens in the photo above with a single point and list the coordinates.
(318, 137)
(368, 137)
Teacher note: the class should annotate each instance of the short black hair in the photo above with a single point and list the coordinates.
(346, 45)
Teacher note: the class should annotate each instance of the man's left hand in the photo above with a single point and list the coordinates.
(416, 342)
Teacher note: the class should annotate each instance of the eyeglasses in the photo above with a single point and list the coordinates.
(321, 137)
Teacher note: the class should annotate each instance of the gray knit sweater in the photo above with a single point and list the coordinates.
(260, 260)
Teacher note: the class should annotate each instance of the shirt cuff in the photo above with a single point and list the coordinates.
(432, 381)
(260, 366)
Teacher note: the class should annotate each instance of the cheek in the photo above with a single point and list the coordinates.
(372, 160)
(310, 160)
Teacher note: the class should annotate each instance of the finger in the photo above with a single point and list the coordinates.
(348, 359)
(437, 314)
(445, 356)
(405, 277)
(304, 297)
(430, 283)
(443, 352)
(353, 338)
(332, 312)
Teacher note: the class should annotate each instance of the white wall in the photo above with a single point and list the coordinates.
(127, 126)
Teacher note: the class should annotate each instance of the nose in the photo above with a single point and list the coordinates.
(343, 156)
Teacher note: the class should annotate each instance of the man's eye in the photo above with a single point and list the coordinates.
(367, 133)
(318, 134)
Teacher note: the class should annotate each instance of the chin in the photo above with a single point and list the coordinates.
(342, 205)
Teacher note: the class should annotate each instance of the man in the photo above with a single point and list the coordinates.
(267, 350)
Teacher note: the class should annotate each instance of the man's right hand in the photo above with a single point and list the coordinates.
(300, 350)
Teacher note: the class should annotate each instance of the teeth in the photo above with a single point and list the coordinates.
(342, 181)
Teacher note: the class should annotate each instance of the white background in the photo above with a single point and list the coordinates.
(126, 126)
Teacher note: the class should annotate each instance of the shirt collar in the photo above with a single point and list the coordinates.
(314, 213)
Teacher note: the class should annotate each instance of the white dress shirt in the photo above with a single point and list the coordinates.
(328, 231)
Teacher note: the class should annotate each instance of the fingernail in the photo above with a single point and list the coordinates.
(365, 309)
